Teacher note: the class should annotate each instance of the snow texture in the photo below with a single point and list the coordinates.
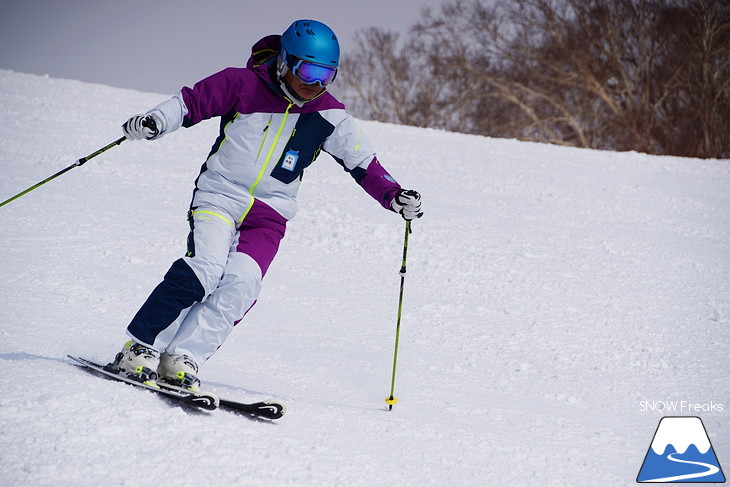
(549, 292)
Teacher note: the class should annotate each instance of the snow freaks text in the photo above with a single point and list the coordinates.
(680, 407)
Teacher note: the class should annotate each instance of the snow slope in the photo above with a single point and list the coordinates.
(549, 292)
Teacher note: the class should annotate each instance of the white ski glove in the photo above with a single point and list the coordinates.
(408, 204)
(142, 127)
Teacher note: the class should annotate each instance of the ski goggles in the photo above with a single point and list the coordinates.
(311, 73)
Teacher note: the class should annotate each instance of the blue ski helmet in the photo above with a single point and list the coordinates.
(313, 41)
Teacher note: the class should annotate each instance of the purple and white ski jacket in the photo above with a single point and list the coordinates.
(266, 141)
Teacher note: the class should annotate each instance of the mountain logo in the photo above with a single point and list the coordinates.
(680, 452)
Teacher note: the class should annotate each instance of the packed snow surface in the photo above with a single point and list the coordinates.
(557, 302)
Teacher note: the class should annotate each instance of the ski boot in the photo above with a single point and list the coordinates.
(179, 370)
(139, 362)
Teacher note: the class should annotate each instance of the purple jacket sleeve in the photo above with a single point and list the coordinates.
(216, 95)
(376, 181)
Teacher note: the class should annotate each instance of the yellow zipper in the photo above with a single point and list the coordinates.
(267, 160)
(271, 150)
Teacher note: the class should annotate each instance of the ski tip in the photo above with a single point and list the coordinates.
(262, 410)
(274, 410)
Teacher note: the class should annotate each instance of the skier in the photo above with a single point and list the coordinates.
(276, 115)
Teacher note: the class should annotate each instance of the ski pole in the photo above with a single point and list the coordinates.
(80, 162)
(391, 399)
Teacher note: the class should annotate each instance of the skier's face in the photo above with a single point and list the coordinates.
(302, 89)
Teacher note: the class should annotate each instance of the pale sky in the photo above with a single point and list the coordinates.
(161, 45)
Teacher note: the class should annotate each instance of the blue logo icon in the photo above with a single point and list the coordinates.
(290, 160)
(681, 452)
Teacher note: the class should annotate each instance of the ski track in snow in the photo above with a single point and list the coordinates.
(549, 291)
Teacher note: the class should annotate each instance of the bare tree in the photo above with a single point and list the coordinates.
(386, 81)
(646, 75)
(698, 112)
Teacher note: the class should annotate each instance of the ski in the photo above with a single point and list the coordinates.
(262, 409)
(197, 399)
(269, 410)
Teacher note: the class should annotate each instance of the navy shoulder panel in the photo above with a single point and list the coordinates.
(310, 132)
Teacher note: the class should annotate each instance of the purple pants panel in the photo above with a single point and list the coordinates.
(260, 233)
